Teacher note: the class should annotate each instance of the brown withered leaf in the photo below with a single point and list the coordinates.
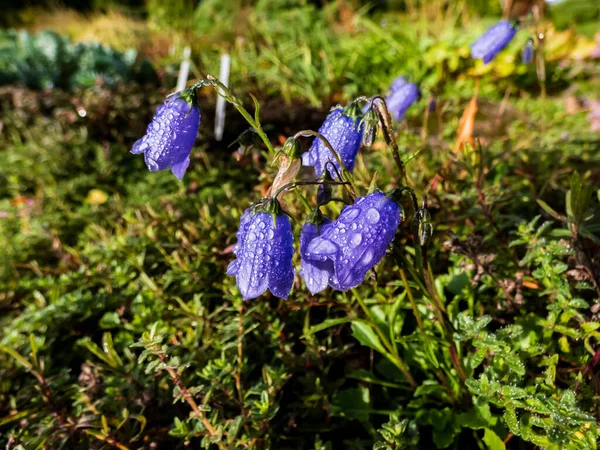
(466, 124)
(288, 169)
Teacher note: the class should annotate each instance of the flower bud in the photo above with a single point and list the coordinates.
(528, 53)
(370, 123)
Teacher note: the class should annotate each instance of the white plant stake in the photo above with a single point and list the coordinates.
(220, 110)
(184, 70)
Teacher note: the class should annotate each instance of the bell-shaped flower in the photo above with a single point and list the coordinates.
(528, 52)
(356, 241)
(344, 132)
(171, 134)
(264, 252)
(402, 95)
(315, 273)
(398, 83)
(493, 41)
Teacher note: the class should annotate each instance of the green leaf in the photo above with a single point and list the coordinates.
(369, 377)
(546, 207)
(478, 357)
(109, 350)
(364, 333)
(352, 403)
(16, 356)
(492, 441)
(326, 324)
(510, 417)
(256, 109)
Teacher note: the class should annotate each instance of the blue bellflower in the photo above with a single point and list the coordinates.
(264, 253)
(402, 95)
(398, 83)
(315, 273)
(528, 53)
(171, 135)
(355, 242)
(493, 41)
(344, 133)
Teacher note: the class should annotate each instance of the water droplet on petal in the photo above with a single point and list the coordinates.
(321, 248)
(367, 257)
(270, 234)
(373, 216)
(355, 240)
(350, 214)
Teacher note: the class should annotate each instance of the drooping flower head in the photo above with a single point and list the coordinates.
(315, 273)
(493, 41)
(402, 96)
(264, 252)
(171, 134)
(527, 55)
(398, 83)
(343, 131)
(356, 241)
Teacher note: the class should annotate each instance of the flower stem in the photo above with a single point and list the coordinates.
(392, 353)
(388, 133)
(345, 175)
(224, 92)
(413, 304)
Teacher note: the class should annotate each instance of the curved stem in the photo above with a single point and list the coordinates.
(392, 353)
(224, 92)
(306, 183)
(411, 298)
(345, 175)
(384, 115)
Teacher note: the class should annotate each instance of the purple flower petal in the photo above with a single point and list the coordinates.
(344, 134)
(281, 273)
(528, 53)
(315, 273)
(493, 41)
(170, 136)
(264, 254)
(401, 99)
(398, 83)
(357, 240)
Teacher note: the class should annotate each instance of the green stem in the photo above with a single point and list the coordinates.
(345, 175)
(391, 353)
(306, 183)
(224, 92)
(413, 304)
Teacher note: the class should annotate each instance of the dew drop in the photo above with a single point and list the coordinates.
(270, 234)
(349, 215)
(367, 257)
(355, 240)
(321, 248)
(373, 216)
